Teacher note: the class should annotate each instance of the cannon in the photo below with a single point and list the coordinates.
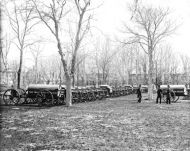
(100, 93)
(83, 95)
(128, 89)
(40, 94)
(177, 91)
(49, 95)
(107, 89)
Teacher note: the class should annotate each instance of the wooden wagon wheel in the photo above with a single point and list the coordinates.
(44, 97)
(11, 97)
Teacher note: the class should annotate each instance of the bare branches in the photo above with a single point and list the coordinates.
(1, 43)
(152, 25)
(81, 7)
(53, 14)
(43, 15)
(21, 21)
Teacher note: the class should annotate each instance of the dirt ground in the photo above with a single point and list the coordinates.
(112, 124)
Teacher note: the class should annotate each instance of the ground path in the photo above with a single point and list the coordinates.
(111, 124)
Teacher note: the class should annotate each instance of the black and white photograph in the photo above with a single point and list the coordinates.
(95, 75)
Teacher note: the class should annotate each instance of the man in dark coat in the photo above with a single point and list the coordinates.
(139, 94)
(168, 95)
(159, 94)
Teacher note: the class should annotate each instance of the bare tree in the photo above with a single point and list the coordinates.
(80, 68)
(122, 60)
(151, 26)
(5, 51)
(22, 22)
(1, 30)
(52, 18)
(14, 68)
(185, 66)
(36, 52)
(103, 59)
(1, 39)
(166, 65)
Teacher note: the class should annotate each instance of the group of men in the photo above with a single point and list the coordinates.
(159, 94)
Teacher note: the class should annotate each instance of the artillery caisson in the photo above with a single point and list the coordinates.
(40, 94)
(45, 94)
(177, 91)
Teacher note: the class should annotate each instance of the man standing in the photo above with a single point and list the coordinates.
(168, 95)
(139, 94)
(159, 94)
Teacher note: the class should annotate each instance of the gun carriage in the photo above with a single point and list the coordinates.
(177, 91)
(128, 89)
(107, 90)
(40, 94)
(49, 95)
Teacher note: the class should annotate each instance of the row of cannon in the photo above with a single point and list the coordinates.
(49, 95)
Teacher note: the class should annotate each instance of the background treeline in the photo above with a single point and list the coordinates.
(101, 59)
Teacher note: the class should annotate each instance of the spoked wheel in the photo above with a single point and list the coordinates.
(44, 97)
(11, 97)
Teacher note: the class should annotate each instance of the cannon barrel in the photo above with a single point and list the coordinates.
(50, 94)
(180, 90)
(44, 87)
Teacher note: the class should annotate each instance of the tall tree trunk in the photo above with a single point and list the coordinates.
(18, 78)
(77, 76)
(68, 91)
(19, 70)
(67, 75)
(36, 70)
(150, 71)
(73, 82)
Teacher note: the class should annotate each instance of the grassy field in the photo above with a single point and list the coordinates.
(111, 124)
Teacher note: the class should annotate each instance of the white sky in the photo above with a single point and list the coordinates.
(112, 13)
